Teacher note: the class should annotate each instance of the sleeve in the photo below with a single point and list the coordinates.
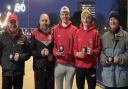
(34, 52)
(103, 57)
(27, 52)
(55, 42)
(124, 57)
(75, 47)
(97, 49)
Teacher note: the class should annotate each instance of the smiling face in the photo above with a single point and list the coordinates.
(13, 25)
(114, 24)
(64, 16)
(86, 20)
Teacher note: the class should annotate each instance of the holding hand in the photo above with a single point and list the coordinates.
(60, 54)
(44, 52)
(16, 57)
(80, 55)
(116, 59)
(89, 51)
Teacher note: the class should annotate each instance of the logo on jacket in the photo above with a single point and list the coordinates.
(58, 35)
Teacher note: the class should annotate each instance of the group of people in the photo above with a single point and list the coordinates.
(62, 51)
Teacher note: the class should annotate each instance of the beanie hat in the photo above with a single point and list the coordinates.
(86, 13)
(114, 14)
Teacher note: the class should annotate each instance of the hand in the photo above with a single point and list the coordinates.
(46, 51)
(89, 51)
(80, 55)
(107, 62)
(116, 59)
(43, 52)
(16, 57)
(60, 54)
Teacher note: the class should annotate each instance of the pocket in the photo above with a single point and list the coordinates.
(122, 77)
(107, 76)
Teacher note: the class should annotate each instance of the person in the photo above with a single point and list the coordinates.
(114, 55)
(15, 51)
(86, 51)
(64, 33)
(42, 48)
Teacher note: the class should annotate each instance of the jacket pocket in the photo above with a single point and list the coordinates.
(122, 76)
(108, 76)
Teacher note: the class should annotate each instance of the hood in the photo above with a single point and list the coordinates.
(90, 27)
(69, 24)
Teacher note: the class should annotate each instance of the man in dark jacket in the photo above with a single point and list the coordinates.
(42, 47)
(15, 52)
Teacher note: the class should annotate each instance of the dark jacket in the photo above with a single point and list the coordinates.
(40, 41)
(10, 46)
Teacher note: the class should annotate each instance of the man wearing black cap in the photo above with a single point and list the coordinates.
(15, 52)
(114, 55)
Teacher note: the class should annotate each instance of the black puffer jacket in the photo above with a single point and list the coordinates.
(10, 46)
(39, 42)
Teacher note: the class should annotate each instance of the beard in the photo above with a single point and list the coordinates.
(45, 29)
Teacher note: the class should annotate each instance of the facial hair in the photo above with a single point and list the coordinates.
(44, 30)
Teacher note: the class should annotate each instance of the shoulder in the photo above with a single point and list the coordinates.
(56, 26)
(35, 32)
(95, 31)
(1, 33)
(74, 27)
(125, 32)
(105, 34)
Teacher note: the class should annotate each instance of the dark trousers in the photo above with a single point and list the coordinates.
(116, 88)
(45, 79)
(12, 81)
(36, 79)
(90, 75)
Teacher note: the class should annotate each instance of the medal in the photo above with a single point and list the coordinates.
(10, 56)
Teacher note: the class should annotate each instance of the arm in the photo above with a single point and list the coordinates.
(34, 52)
(55, 50)
(123, 58)
(97, 49)
(27, 52)
(103, 57)
(75, 47)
